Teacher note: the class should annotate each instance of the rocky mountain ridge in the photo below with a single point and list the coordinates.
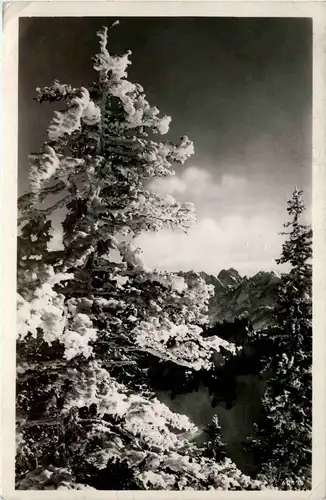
(238, 297)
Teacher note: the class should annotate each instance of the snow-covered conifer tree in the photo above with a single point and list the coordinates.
(282, 442)
(91, 316)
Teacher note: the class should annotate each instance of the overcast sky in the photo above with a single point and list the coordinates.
(240, 88)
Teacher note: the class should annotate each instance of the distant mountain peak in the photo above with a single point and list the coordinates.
(231, 271)
(237, 296)
(243, 297)
(265, 277)
(229, 277)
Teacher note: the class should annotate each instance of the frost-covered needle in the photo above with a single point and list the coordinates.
(115, 24)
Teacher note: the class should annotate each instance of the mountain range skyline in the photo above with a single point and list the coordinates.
(239, 297)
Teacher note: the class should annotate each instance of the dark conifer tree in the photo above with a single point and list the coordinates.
(282, 441)
(215, 446)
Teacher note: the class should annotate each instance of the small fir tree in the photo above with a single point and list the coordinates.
(89, 323)
(215, 446)
(282, 442)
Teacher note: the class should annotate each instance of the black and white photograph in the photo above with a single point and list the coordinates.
(164, 253)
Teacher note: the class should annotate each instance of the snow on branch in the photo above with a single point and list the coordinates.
(42, 168)
(105, 63)
(79, 108)
(55, 92)
(182, 344)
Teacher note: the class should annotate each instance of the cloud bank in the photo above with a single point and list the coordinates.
(238, 226)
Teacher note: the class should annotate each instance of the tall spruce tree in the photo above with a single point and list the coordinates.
(91, 316)
(282, 442)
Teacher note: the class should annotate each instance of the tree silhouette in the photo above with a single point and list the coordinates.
(282, 441)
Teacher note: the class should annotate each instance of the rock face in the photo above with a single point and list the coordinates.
(242, 297)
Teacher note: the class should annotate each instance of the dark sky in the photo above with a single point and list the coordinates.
(240, 88)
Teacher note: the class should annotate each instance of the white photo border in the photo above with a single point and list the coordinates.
(12, 11)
